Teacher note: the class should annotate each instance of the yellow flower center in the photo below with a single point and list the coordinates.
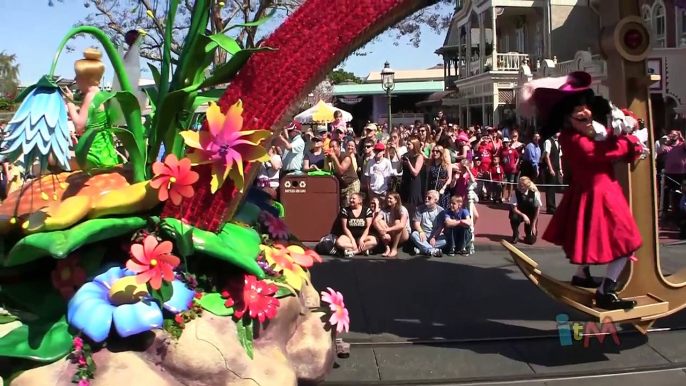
(127, 291)
(153, 262)
(172, 180)
(65, 274)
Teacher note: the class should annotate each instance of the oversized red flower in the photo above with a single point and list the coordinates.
(252, 296)
(153, 261)
(174, 179)
(68, 275)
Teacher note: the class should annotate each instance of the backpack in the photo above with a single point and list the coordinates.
(326, 245)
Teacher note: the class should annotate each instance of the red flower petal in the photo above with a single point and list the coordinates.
(172, 162)
(169, 259)
(155, 279)
(149, 245)
(138, 253)
(163, 248)
(159, 181)
(159, 169)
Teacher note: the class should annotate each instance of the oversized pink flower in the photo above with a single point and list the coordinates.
(174, 179)
(226, 145)
(275, 226)
(153, 261)
(340, 318)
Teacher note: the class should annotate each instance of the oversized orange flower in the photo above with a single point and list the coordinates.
(226, 146)
(153, 261)
(304, 258)
(174, 179)
(279, 258)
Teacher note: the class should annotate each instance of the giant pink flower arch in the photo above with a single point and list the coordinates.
(310, 43)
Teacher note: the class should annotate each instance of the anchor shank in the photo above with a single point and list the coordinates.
(625, 47)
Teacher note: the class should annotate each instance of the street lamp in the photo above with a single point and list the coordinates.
(388, 84)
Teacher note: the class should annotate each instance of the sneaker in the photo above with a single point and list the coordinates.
(416, 251)
(348, 253)
(451, 253)
(436, 252)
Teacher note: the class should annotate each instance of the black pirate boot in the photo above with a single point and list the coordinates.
(609, 300)
(587, 281)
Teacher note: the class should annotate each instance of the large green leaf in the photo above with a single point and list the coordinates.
(226, 43)
(38, 297)
(155, 74)
(214, 303)
(59, 244)
(248, 213)
(91, 258)
(83, 146)
(41, 341)
(163, 294)
(181, 233)
(234, 244)
(245, 331)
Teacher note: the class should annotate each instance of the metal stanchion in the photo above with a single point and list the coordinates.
(662, 193)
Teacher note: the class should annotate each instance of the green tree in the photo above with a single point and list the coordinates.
(9, 73)
(340, 75)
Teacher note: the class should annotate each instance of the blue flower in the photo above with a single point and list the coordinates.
(39, 129)
(92, 311)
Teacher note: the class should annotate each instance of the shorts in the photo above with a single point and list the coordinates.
(511, 177)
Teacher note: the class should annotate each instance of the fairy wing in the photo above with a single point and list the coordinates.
(132, 68)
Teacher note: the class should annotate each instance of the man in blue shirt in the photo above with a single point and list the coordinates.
(531, 158)
(457, 227)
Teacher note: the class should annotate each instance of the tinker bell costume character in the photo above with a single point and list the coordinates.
(89, 70)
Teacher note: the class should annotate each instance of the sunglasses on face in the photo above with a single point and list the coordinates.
(436, 151)
(368, 146)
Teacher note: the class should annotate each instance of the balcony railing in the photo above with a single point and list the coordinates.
(510, 61)
(568, 66)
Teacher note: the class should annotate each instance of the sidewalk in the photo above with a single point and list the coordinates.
(393, 303)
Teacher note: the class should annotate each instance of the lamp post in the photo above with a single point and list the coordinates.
(388, 84)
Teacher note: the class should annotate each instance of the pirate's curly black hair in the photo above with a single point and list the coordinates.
(599, 106)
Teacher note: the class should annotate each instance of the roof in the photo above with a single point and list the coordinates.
(400, 88)
(435, 98)
(416, 75)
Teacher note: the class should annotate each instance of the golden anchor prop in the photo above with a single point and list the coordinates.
(626, 44)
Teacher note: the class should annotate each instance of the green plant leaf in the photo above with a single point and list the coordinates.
(284, 291)
(214, 303)
(91, 258)
(83, 146)
(156, 76)
(226, 43)
(41, 341)
(201, 100)
(244, 327)
(234, 244)
(255, 23)
(181, 233)
(59, 244)
(152, 94)
(280, 207)
(37, 297)
(163, 294)
(4, 319)
(247, 213)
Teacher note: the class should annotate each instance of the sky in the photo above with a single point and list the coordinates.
(32, 30)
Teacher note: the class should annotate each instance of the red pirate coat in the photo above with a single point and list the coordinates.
(593, 223)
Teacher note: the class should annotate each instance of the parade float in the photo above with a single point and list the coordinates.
(177, 271)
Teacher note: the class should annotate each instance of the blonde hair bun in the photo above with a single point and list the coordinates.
(92, 54)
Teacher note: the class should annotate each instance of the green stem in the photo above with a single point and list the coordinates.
(133, 118)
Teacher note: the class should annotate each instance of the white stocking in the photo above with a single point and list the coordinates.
(614, 269)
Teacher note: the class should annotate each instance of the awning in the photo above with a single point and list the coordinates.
(435, 98)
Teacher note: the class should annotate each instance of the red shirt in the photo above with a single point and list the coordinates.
(509, 158)
(485, 152)
(497, 172)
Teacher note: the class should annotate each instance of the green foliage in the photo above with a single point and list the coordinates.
(163, 294)
(181, 233)
(341, 76)
(59, 244)
(7, 104)
(244, 327)
(214, 303)
(284, 291)
(42, 340)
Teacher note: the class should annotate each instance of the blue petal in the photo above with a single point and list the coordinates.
(25, 108)
(52, 109)
(132, 319)
(94, 318)
(180, 297)
(110, 276)
(87, 291)
(41, 106)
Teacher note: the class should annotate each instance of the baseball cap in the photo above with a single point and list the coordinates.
(380, 146)
(295, 125)
(371, 127)
(506, 139)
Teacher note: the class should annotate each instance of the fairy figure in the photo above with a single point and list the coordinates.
(92, 115)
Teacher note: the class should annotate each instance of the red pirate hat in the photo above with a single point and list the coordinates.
(543, 94)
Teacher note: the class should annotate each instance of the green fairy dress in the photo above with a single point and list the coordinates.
(101, 153)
